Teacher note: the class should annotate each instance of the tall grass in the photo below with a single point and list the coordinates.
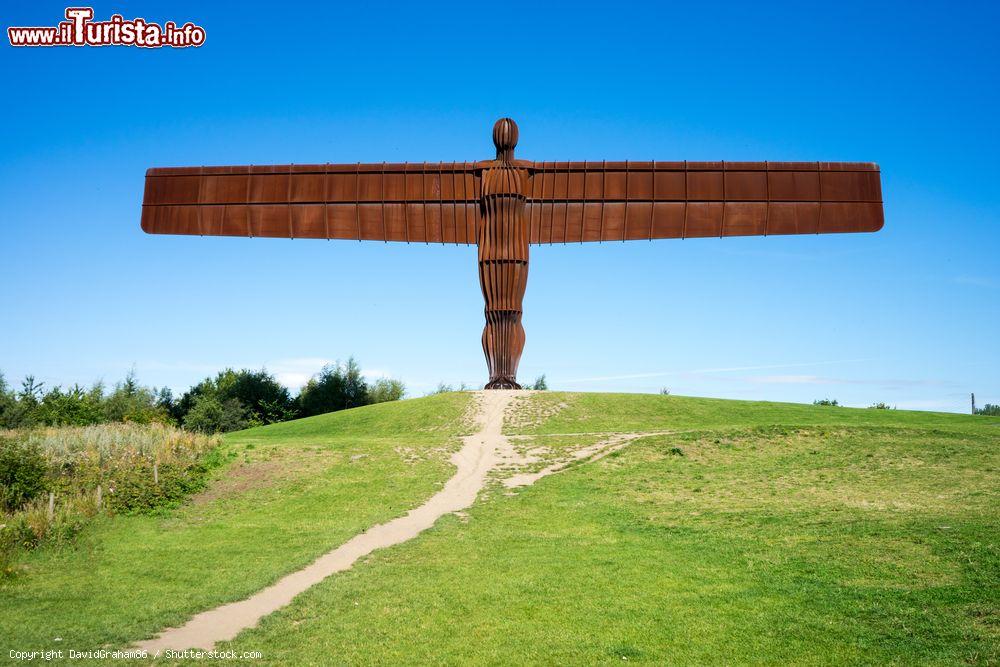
(113, 445)
(139, 468)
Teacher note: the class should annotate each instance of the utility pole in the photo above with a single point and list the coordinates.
(973, 404)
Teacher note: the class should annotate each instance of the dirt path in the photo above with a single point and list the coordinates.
(612, 442)
(593, 452)
(480, 453)
(484, 451)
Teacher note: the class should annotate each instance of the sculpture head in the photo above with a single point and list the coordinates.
(505, 138)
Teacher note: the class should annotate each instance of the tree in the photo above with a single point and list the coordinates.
(76, 406)
(73, 407)
(208, 414)
(336, 387)
(165, 400)
(826, 401)
(131, 402)
(265, 399)
(31, 390)
(989, 409)
(385, 389)
(540, 384)
(8, 403)
(22, 473)
(17, 409)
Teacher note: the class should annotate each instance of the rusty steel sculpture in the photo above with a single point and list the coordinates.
(504, 205)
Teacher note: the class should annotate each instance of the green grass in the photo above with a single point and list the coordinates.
(763, 533)
(559, 412)
(293, 491)
(746, 533)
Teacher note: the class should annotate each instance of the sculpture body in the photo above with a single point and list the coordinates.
(503, 259)
(504, 205)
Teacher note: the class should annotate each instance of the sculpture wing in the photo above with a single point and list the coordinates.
(427, 203)
(621, 201)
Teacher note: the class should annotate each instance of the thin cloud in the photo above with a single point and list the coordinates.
(704, 371)
(978, 281)
(182, 366)
(925, 404)
(793, 255)
(815, 379)
(295, 372)
(293, 380)
(789, 379)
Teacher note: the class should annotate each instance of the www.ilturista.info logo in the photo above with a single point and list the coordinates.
(79, 29)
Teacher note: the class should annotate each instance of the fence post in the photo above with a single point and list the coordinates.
(156, 474)
(52, 505)
(99, 499)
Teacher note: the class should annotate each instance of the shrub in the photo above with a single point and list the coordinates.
(386, 389)
(335, 387)
(76, 406)
(17, 409)
(22, 473)
(133, 491)
(826, 401)
(209, 414)
(231, 400)
(73, 407)
(263, 398)
(120, 458)
(32, 527)
(881, 406)
(131, 402)
(540, 384)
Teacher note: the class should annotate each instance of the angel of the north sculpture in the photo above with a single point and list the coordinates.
(505, 205)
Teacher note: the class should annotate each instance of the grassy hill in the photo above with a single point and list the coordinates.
(294, 490)
(734, 532)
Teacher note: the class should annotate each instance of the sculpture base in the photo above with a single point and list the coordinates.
(502, 383)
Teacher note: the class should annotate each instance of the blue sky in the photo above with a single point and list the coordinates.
(907, 316)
